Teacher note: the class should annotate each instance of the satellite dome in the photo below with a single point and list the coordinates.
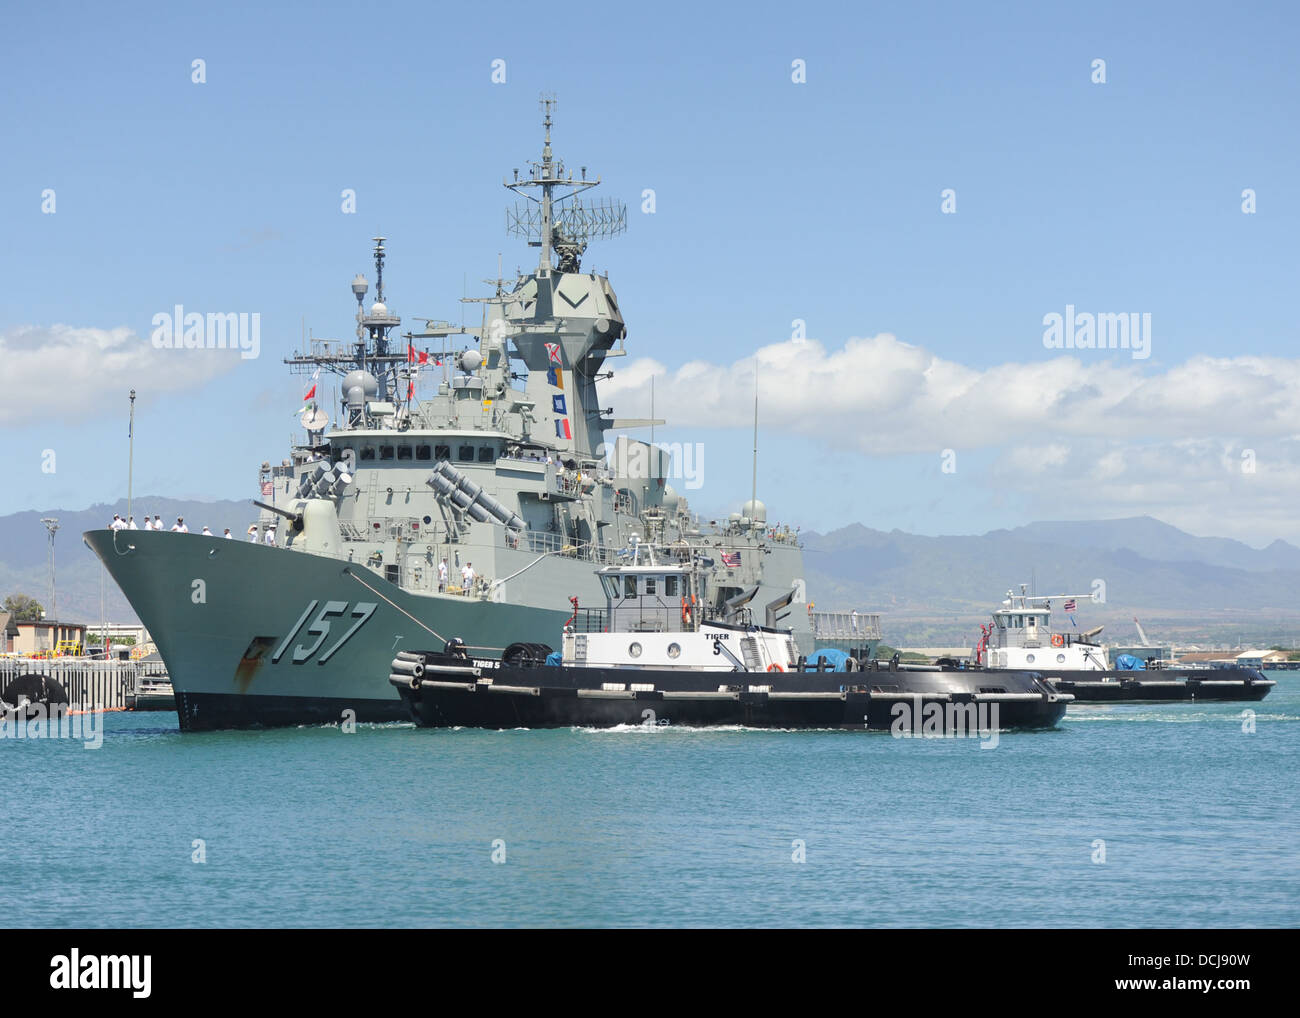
(756, 511)
(470, 360)
(363, 380)
(378, 309)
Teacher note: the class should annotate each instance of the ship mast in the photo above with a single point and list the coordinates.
(559, 226)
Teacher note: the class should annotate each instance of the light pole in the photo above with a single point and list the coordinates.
(130, 462)
(52, 526)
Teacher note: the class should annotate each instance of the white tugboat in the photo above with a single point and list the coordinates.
(657, 653)
(1020, 638)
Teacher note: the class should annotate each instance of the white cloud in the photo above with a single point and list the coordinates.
(885, 397)
(1074, 437)
(78, 373)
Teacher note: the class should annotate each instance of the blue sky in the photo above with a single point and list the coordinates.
(775, 201)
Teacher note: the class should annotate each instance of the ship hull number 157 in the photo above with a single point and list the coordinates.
(320, 630)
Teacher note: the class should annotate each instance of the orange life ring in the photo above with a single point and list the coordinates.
(1058, 640)
(774, 667)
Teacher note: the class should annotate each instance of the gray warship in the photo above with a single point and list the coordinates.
(507, 468)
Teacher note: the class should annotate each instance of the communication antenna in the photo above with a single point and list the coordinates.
(754, 490)
(560, 222)
(130, 462)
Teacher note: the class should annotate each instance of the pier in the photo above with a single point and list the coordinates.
(90, 685)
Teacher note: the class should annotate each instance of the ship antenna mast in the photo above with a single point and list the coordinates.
(559, 225)
(754, 490)
(379, 268)
(548, 185)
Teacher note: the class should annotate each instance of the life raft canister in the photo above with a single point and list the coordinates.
(774, 667)
(1058, 640)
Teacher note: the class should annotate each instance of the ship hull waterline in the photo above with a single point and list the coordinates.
(1158, 685)
(255, 636)
(557, 697)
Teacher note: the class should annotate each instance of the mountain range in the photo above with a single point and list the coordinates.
(932, 590)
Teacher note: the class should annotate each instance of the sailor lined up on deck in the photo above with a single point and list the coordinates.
(442, 576)
(157, 522)
(179, 526)
(252, 531)
(270, 536)
(467, 578)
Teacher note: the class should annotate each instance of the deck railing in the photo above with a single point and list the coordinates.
(849, 625)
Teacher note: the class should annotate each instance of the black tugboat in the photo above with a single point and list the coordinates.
(1020, 638)
(654, 656)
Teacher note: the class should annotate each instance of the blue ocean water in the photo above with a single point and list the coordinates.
(395, 826)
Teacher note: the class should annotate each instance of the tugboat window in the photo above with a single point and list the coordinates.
(1060, 659)
(403, 452)
(634, 650)
(649, 585)
(385, 452)
(670, 586)
(465, 454)
(422, 452)
(1029, 658)
(629, 586)
(674, 650)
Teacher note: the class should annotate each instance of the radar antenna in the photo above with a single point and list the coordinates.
(562, 224)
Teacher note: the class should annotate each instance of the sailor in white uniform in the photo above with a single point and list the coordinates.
(179, 526)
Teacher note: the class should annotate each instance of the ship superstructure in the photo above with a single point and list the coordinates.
(469, 485)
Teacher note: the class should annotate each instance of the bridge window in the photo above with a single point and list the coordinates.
(385, 452)
(422, 452)
(367, 452)
(485, 454)
(442, 452)
(403, 452)
(465, 454)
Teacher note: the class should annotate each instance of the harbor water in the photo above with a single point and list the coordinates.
(1142, 815)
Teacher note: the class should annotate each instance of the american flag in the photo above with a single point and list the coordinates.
(1070, 605)
(731, 559)
(268, 489)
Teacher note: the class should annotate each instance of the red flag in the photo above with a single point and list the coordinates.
(410, 390)
(311, 393)
(414, 356)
